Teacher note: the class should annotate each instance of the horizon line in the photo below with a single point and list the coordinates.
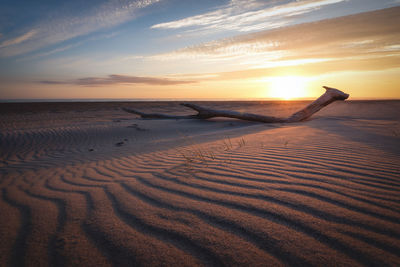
(61, 100)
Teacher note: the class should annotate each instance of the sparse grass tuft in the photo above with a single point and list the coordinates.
(241, 142)
(196, 156)
(227, 144)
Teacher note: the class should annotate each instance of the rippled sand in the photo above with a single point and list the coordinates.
(88, 184)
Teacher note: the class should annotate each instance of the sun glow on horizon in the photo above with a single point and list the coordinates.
(287, 87)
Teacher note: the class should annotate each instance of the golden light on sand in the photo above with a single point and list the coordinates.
(287, 87)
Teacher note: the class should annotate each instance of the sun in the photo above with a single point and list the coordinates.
(287, 87)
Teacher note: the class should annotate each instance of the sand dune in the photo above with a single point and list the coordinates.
(94, 186)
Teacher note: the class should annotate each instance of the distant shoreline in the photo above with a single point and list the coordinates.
(2, 101)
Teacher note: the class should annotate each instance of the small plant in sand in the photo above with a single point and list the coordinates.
(196, 156)
(188, 162)
(286, 143)
(227, 144)
(241, 143)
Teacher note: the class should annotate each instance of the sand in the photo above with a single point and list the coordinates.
(88, 184)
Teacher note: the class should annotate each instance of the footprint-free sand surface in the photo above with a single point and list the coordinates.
(87, 184)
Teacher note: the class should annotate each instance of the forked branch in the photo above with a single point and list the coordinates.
(330, 95)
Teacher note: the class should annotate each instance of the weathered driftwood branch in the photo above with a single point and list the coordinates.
(330, 95)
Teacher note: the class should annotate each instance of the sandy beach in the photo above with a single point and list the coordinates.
(87, 184)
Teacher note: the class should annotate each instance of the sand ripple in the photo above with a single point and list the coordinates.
(251, 200)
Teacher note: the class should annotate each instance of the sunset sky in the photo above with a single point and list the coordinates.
(191, 49)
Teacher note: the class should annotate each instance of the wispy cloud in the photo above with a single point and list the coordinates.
(61, 27)
(226, 49)
(18, 39)
(312, 69)
(373, 33)
(120, 79)
(66, 47)
(51, 52)
(244, 16)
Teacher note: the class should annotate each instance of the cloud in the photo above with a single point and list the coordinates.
(314, 68)
(247, 15)
(61, 27)
(50, 52)
(373, 33)
(120, 79)
(66, 47)
(19, 39)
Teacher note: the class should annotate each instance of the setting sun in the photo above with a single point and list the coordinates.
(287, 87)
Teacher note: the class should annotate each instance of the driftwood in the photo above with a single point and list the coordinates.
(330, 95)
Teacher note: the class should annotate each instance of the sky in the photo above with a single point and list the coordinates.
(190, 49)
